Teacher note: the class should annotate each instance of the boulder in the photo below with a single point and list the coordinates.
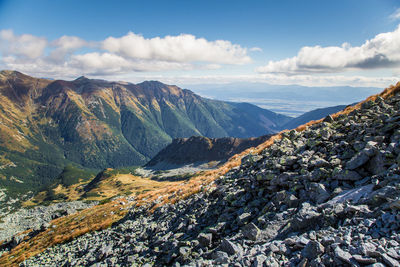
(251, 232)
(312, 250)
(205, 239)
(230, 248)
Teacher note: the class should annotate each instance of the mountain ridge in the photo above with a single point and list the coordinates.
(96, 124)
(198, 149)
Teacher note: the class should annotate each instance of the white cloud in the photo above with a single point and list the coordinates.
(24, 45)
(66, 45)
(108, 64)
(395, 15)
(130, 53)
(69, 43)
(181, 48)
(256, 49)
(383, 51)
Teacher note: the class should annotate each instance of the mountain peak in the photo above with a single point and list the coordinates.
(152, 83)
(11, 73)
(82, 78)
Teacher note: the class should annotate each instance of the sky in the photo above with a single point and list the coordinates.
(309, 42)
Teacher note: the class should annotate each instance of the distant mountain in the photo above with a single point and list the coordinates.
(202, 149)
(46, 125)
(312, 115)
(291, 100)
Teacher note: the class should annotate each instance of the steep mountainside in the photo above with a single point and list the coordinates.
(46, 125)
(312, 115)
(202, 149)
(326, 194)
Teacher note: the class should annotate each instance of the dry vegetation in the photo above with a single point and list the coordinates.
(100, 217)
(127, 184)
(119, 184)
(67, 228)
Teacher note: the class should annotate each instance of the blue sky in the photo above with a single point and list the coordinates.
(278, 42)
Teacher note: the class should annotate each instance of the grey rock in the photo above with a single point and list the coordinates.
(353, 195)
(244, 218)
(390, 261)
(395, 205)
(364, 260)
(220, 257)
(230, 248)
(319, 193)
(347, 175)
(184, 251)
(329, 119)
(306, 217)
(343, 255)
(312, 250)
(205, 239)
(273, 248)
(376, 164)
(393, 253)
(302, 242)
(259, 261)
(358, 160)
(251, 231)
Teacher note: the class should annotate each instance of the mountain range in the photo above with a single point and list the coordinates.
(46, 124)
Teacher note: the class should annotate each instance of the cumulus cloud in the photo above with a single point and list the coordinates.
(69, 56)
(383, 51)
(181, 48)
(108, 63)
(66, 45)
(24, 45)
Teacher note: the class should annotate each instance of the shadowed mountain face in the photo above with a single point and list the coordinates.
(315, 114)
(202, 149)
(45, 124)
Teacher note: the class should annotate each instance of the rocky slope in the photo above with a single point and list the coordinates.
(195, 149)
(35, 218)
(324, 196)
(46, 125)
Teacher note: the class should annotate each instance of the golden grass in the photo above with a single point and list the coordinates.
(108, 97)
(123, 183)
(120, 184)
